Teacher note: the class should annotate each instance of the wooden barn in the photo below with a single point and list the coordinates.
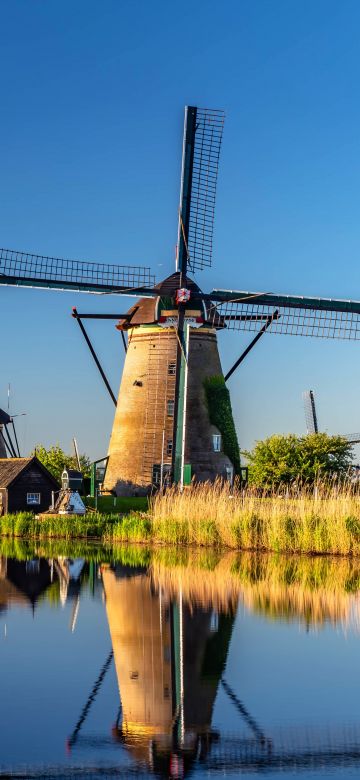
(25, 485)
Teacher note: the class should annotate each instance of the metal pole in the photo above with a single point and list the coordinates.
(11, 447)
(16, 439)
(124, 341)
(252, 344)
(86, 337)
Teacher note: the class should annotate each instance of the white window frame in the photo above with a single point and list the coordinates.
(33, 499)
(216, 439)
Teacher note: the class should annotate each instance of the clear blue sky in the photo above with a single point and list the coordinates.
(92, 98)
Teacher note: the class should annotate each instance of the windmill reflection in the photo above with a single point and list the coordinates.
(169, 660)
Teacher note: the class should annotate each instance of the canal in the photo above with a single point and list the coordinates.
(131, 662)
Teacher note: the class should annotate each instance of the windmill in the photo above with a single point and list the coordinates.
(8, 445)
(311, 418)
(167, 424)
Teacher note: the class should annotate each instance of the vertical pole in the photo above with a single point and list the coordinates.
(162, 460)
(186, 373)
(181, 266)
(180, 401)
(182, 719)
(93, 480)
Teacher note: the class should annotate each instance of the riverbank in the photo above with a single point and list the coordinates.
(213, 516)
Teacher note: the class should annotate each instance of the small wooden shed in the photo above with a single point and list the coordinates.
(25, 485)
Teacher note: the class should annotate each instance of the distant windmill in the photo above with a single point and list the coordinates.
(8, 446)
(312, 420)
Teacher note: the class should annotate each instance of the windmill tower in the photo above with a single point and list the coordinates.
(173, 418)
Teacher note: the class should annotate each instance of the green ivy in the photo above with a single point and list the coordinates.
(220, 414)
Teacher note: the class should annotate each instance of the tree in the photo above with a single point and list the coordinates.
(281, 460)
(55, 460)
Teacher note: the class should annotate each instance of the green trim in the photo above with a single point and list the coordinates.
(220, 414)
(288, 301)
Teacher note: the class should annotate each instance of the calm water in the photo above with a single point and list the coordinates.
(128, 663)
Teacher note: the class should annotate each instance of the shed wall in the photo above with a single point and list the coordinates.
(31, 480)
(3, 501)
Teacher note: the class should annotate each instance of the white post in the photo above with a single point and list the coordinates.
(185, 403)
(162, 460)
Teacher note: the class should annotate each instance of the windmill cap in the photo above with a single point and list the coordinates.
(147, 310)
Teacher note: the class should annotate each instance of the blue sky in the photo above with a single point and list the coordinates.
(92, 99)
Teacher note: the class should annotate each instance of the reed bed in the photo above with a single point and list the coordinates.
(325, 520)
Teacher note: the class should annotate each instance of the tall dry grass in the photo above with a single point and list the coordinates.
(211, 513)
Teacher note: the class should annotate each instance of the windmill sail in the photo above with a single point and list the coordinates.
(310, 412)
(312, 420)
(29, 270)
(297, 316)
(201, 150)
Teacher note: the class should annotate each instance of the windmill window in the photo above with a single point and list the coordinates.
(216, 442)
(169, 447)
(33, 499)
(170, 408)
(172, 369)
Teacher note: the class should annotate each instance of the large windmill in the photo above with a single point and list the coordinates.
(167, 424)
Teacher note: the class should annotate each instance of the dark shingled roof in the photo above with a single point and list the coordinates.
(10, 468)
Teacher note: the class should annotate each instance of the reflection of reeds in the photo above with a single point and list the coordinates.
(210, 514)
(314, 590)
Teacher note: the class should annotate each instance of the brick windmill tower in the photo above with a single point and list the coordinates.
(173, 418)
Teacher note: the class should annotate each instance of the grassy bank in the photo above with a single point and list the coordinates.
(92, 526)
(111, 504)
(209, 515)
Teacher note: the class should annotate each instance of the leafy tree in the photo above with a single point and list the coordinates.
(55, 459)
(281, 460)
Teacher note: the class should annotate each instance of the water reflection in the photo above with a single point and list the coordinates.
(169, 659)
(192, 679)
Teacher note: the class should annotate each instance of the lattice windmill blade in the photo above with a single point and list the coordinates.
(312, 420)
(310, 412)
(22, 269)
(203, 129)
(298, 316)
